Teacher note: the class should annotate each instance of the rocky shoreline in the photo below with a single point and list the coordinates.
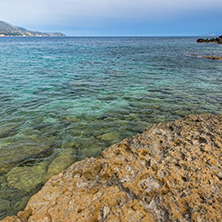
(170, 172)
(213, 40)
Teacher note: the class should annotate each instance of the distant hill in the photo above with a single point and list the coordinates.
(7, 29)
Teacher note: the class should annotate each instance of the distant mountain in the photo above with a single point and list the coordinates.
(7, 29)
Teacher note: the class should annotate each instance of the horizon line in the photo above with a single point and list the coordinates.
(115, 36)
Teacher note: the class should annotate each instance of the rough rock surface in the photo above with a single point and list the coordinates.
(170, 172)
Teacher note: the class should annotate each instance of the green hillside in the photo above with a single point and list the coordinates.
(4, 26)
(7, 29)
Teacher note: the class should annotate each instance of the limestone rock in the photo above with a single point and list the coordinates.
(170, 172)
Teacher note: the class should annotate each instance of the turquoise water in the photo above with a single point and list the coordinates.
(65, 99)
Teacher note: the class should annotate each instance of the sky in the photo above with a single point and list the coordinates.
(116, 17)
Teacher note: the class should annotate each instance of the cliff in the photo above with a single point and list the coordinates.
(170, 172)
(7, 29)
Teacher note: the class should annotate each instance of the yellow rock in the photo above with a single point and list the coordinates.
(170, 172)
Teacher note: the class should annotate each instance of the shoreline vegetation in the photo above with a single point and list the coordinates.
(8, 30)
(170, 172)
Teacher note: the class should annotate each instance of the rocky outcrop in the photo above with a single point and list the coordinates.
(213, 40)
(212, 57)
(207, 57)
(170, 172)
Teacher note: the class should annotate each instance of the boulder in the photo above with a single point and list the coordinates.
(170, 172)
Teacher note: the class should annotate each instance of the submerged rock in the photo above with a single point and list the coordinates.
(208, 57)
(212, 57)
(62, 161)
(110, 136)
(26, 178)
(170, 172)
(4, 204)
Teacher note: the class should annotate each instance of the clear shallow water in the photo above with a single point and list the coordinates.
(65, 99)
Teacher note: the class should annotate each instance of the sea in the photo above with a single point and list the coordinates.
(68, 98)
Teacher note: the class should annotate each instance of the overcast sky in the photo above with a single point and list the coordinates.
(115, 17)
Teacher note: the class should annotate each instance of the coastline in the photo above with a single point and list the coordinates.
(172, 171)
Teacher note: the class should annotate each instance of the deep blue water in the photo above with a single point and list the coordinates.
(65, 99)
